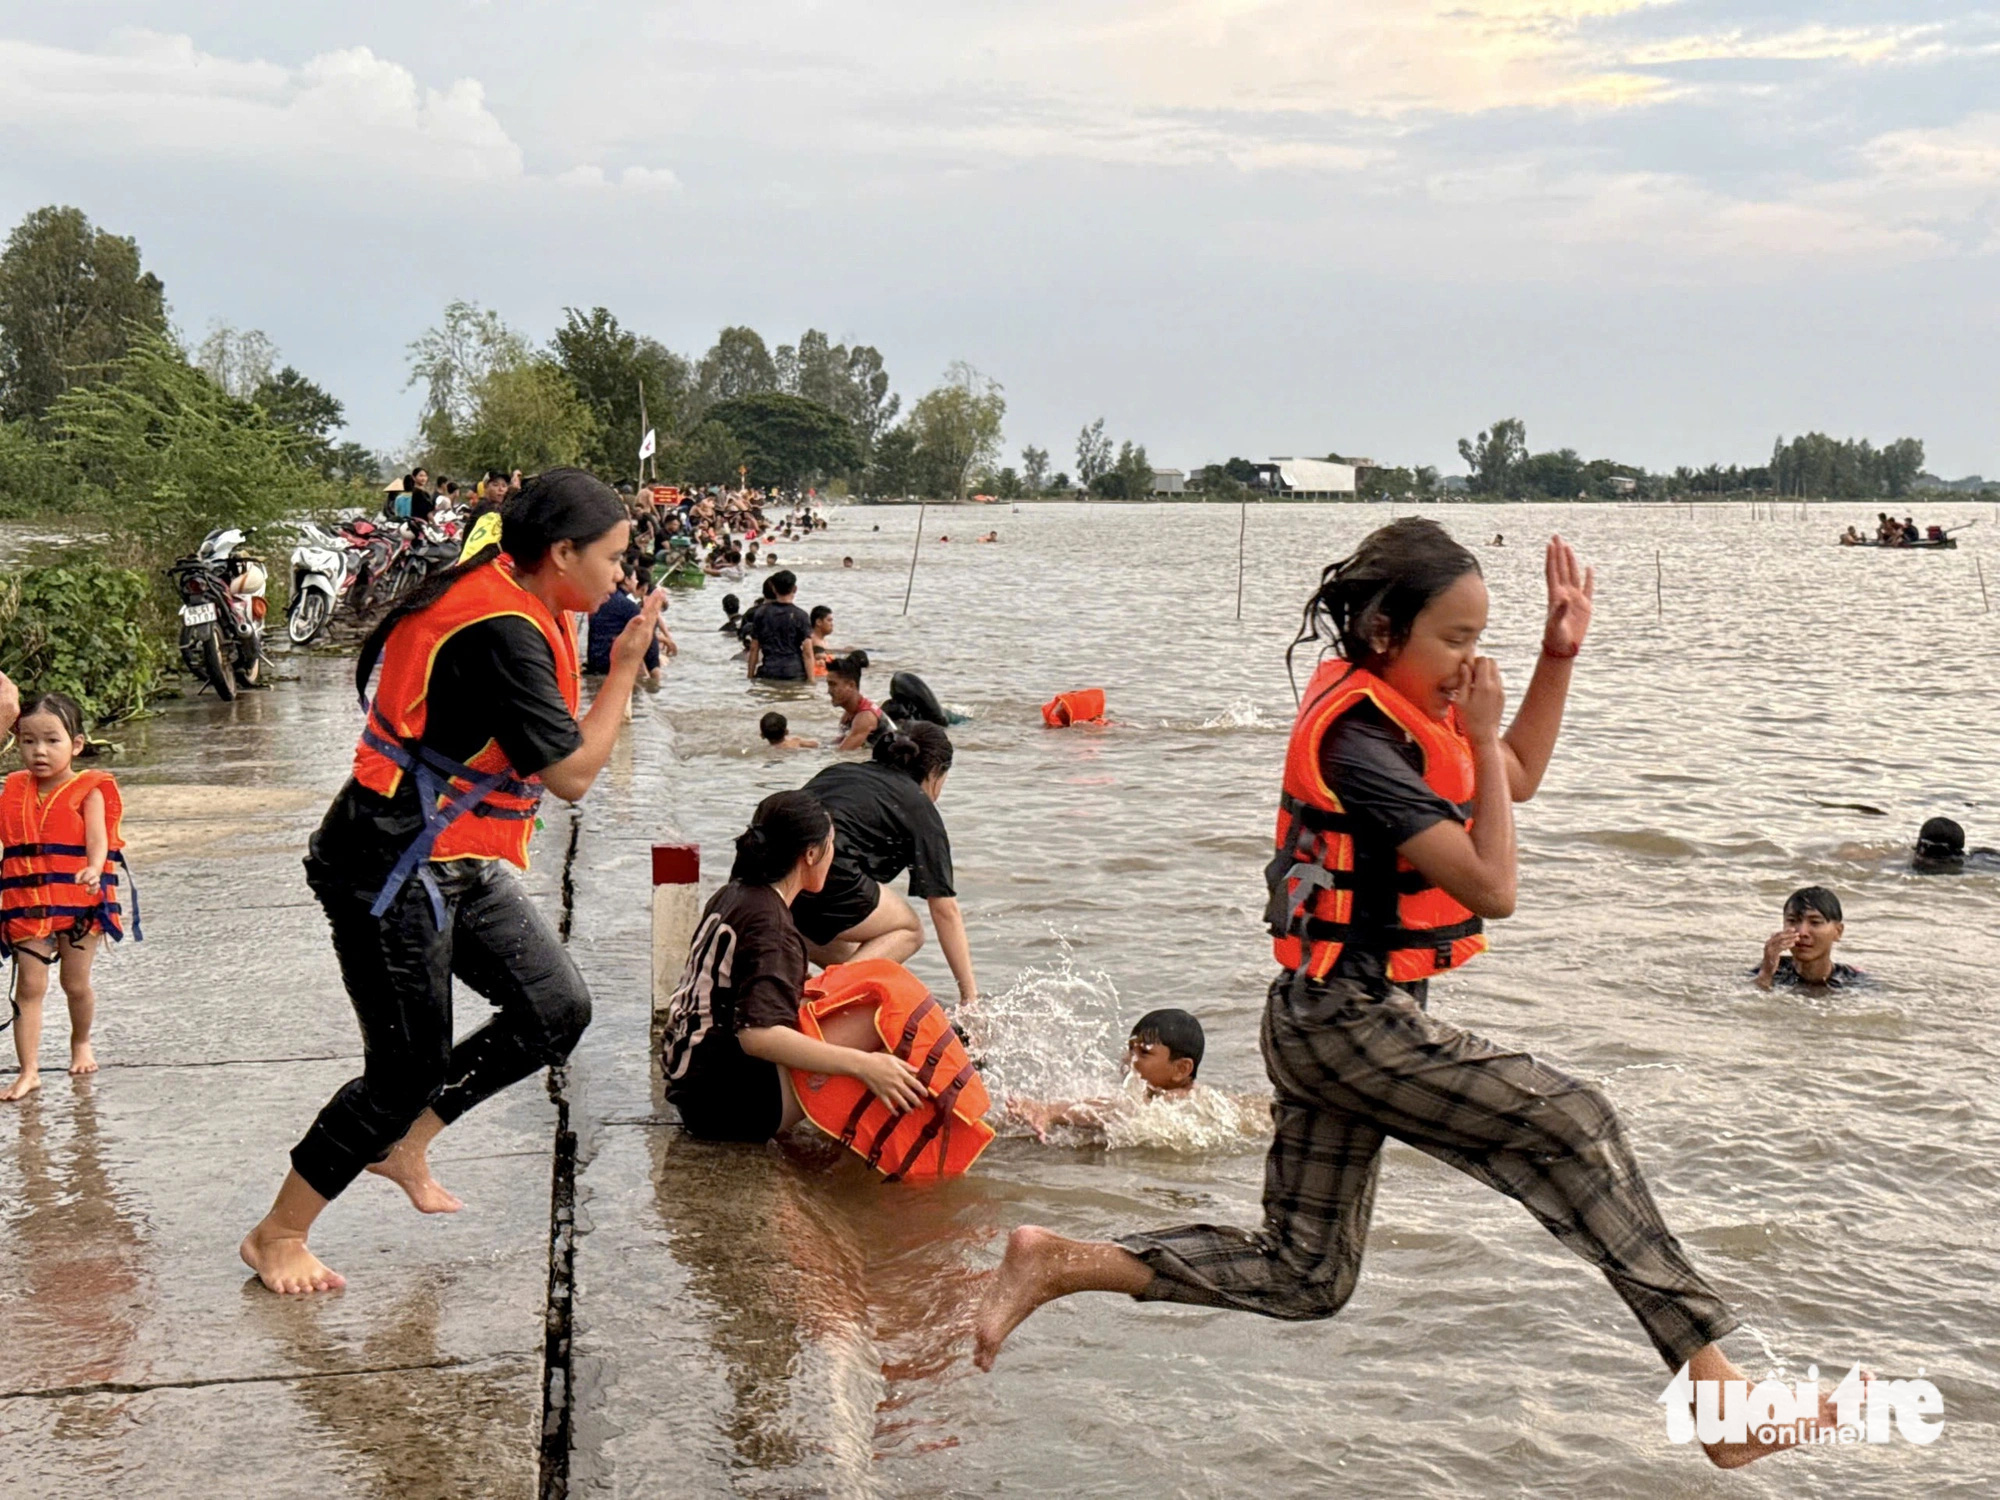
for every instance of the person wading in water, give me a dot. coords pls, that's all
(473, 715)
(1395, 838)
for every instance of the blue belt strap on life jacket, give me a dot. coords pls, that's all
(433, 773)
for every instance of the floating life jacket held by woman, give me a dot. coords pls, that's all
(941, 1137)
(43, 855)
(736, 1037)
(473, 714)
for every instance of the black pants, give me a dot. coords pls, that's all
(398, 970)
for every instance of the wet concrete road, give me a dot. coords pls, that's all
(139, 1358)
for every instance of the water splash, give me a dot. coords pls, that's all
(1054, 1033)
(1241, 715)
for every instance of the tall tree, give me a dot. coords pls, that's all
(299, 406)
(1495, 456)
(73, 298)
(522, 415)
(451, 360)
(1035, 469)
(957, 428)
(787, 440)
(893, 468)
(738, 365)
(1093, 451)
(709, 454)
(238, 360)
(610, 366)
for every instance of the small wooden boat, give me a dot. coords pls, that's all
(1927, 544)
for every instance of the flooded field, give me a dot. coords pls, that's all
(1756, 710)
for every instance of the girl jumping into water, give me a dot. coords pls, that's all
(1395, 840)
(59, 861)
(473, 715)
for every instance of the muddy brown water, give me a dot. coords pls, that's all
(759, 1323)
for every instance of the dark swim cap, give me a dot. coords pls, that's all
(1940, 838)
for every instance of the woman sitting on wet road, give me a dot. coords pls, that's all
(732, 1032)
(473, 715)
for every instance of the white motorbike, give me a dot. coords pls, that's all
(324, 567)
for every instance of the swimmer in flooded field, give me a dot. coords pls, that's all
(1395, 840)
(1498, 540)
(1162, 1057)
(1801, 952)
(817, 643)
(1851, 538)
(731, 1032)
(991, 536)
(777, 733)
(847, 562)
(732, 618)
(859, 717)
(1941, 850)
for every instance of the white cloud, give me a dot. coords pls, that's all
(149, 96)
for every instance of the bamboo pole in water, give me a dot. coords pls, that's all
(1242, 527)
(1659, 590)
(915, 548)
(1979, 568)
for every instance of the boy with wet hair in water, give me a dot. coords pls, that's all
(777, 732)
(1801, 952)
(1162, 1056)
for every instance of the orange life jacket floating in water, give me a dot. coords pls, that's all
(940, 1139)
(478, 809)
(1312, 879)
(43, 853)
(1085, 706)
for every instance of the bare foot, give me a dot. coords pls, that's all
(21, 1087)
(1022, 1284)
(1736, 1455)
(284, 1264)
(81, 1058)
(410, 1169)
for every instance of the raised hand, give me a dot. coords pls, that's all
(1572, 589)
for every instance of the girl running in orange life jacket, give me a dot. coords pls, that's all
(59, 884)
(1395, 841)
(474, 713)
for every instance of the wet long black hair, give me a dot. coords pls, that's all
(1387, 581)
(785, 826)
(557, 505)
(918, 750)
(850, 666)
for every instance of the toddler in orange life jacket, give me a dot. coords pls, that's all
(1162, 1057)
(58, 833)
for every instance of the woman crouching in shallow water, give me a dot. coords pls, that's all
(1395, 840)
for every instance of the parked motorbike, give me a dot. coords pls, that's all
(222, 613)
(423, 549)
(324, 567)
(378, 545)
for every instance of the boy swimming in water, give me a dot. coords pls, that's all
(1801, 952)
(777, 733)
(1162, 1057)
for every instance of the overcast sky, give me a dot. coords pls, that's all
(1659, 230)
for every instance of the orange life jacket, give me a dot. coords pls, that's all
(1083, 707)
(944, 1136)
(42, 851)
(1312, 880)
(478, 809)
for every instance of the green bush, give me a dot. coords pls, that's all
(34, 479)
(85, 629)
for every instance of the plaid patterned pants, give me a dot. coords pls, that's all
(1352, 1067)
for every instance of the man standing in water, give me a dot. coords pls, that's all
(1395, 843)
